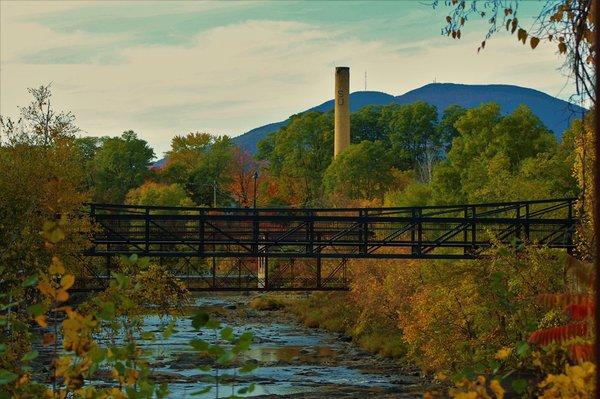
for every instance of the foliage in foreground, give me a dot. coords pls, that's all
(101, 340)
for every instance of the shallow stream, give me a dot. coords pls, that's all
(293, 360)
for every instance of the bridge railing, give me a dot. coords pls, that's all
(452, 231)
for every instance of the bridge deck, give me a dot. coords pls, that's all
(195, 235)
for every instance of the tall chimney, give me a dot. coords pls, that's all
(341, 138)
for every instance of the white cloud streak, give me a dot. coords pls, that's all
(236, 77)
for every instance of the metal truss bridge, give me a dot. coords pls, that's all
(234, 249)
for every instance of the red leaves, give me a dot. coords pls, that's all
(582, 352)
(580, 312)
(565, 299)
(558, 334)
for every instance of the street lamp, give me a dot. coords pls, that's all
(255, 176)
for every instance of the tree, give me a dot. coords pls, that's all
(42, 179)
(367, 124)
(242, 169)
(414, 139)
(362, 171)
(201, 162)
(446, 129)
(122, 163)
(298, 155)
(494, 156)
(160, 194)
(567, 23)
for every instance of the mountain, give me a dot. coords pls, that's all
(555, 113)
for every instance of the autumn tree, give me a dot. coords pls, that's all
(298, 155)
(161, 194)
(242, 170)
(42, 179)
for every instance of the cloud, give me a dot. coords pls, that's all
(236, 76)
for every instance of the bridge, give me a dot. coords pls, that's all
(235, 249)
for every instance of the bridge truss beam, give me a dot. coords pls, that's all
(223, 241)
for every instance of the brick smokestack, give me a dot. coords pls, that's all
(341, 138)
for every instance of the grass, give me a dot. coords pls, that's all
(266, 302)
(334, 312)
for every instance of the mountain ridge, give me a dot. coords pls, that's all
(556, 114)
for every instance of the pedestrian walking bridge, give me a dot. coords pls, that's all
(235, 249)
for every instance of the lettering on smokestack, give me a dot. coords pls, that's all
(342, 110)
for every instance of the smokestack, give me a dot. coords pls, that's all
(341, 138)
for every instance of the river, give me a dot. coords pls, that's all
(293, 360)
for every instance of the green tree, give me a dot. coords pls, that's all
(200, 162)
(366, 124)
(122, 163)
(415, 142)
(493, 158)
(298, 155)
(362, 171)
(446, 129)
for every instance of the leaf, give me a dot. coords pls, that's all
(35, 309)
(199, 344)
(247, 368)
(202, 391)
(514, 25)
(562, 47)
(107, 312)
(534, 41)
(62, 295)
(519, 385)
(522, 35)
(29, 356)
(148, 336)
(32, 280)
(199, 320)
(46, 289)
(67, 281)
(227, 333)
(522, 348)
(133, 258)
(2, 348)
(7, 377)
(41, 320)
(56, 267)
(213, 324)
(558, 334)
(508, 21)
(581, 352)
(225, 358)
(580, 312)
(169, 330)
(246, 390)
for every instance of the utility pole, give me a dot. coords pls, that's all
(214, 193)
(255, 176)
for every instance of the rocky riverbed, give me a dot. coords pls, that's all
(293, 361)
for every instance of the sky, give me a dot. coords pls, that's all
(168, 68)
